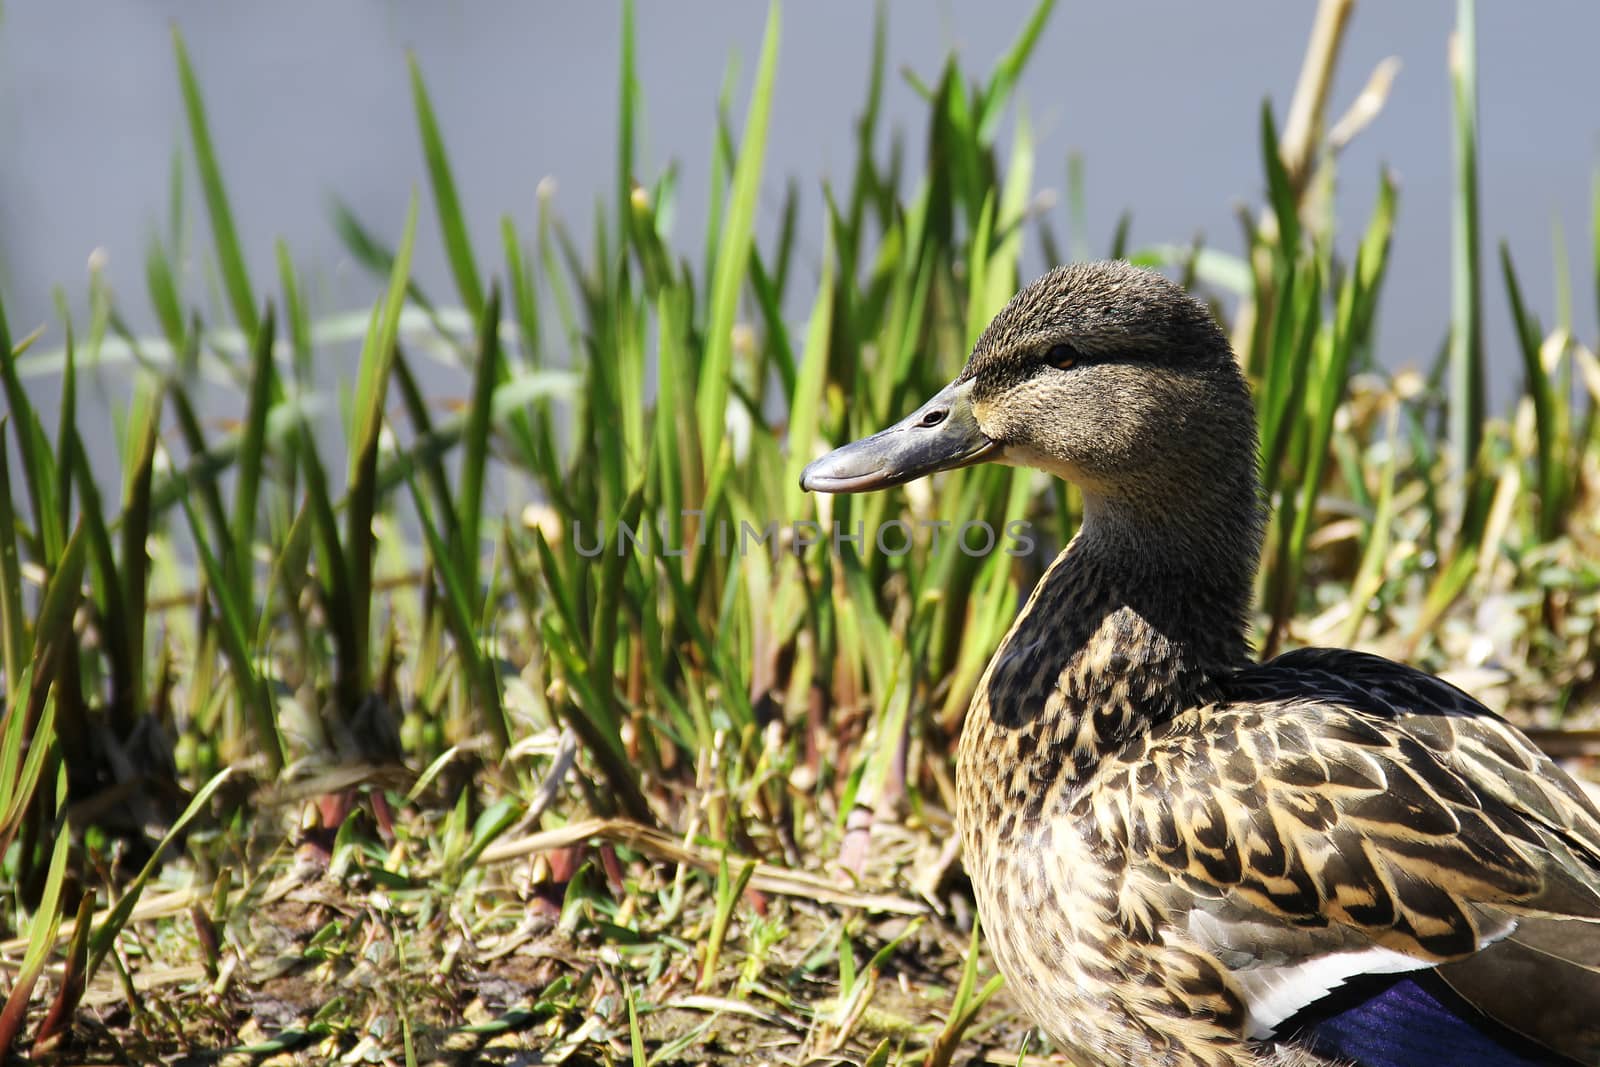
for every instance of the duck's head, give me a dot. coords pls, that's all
(1101, 373)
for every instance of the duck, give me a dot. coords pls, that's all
(1184, 856)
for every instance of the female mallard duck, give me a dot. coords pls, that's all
(1184, 857)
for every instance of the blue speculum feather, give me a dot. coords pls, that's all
(1410, 1020)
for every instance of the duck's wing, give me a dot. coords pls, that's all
(1338, 814)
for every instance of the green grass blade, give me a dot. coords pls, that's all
(524, 300)
(230, 257)
(1467, 405)
(251, 456)
(721, 154)
(1541, 391)
(475, 441)
(1120, 235)
(1000, 273)
(41, 940)
(963, 1009)
(635, 1037)
(609, 606)
(59, 498)
(331, 564)
(55, 645)
(867, 180)
(806, 410)
(295, 315)
(979, 289)
(1279, 188)
(733, 253)
(371, 252)
(627, 118)
(672, 448)
(1296, 320)
(563, 597)
(53, 631)
(1375, 550)
(1009, 70)
(783, 256)
(235, 635)
(107, 584)
(730, 889)
(459, 612)
(207, 462)
(777, 333)
(13, 624)
(428, 449)
(372, 388)
(447, 205)
(164, 293)
(33, 448)
(490, 824)
(105, 935)
(20, 774)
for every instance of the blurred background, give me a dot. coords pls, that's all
(309, 101)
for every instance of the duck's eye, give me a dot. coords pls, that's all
(1061, 356)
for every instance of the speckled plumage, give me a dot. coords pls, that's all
(1176, 849)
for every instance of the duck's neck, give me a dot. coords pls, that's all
(1185, 566)
(1135, 622)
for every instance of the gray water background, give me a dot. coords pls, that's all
(310, 100)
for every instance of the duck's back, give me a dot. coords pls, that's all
(1346, 832)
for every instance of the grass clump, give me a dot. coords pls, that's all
(363, 766)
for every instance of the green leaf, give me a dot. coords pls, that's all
(459, 613)
(1279, 188)
(164, 293)
(370, 251)
(1009, 70)
(452, 224)
(251, 455)
(33, 447)
(806, 411)
(53, 631)
(372, 388)
(729, 892)
(206, 463)
(236, 641)
(295, 315)
(733, 253)
(1541, 391)
(41, 939)
(142, 434)
(20, 774)
(524, 301)
(627, 117)
(331, 564)
(230, 258)
(495, 820)
(105, 934)
(1467, 404)
(13, 624)
(66, 428)
(475, 440)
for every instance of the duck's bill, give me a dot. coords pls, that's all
(941, 435)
